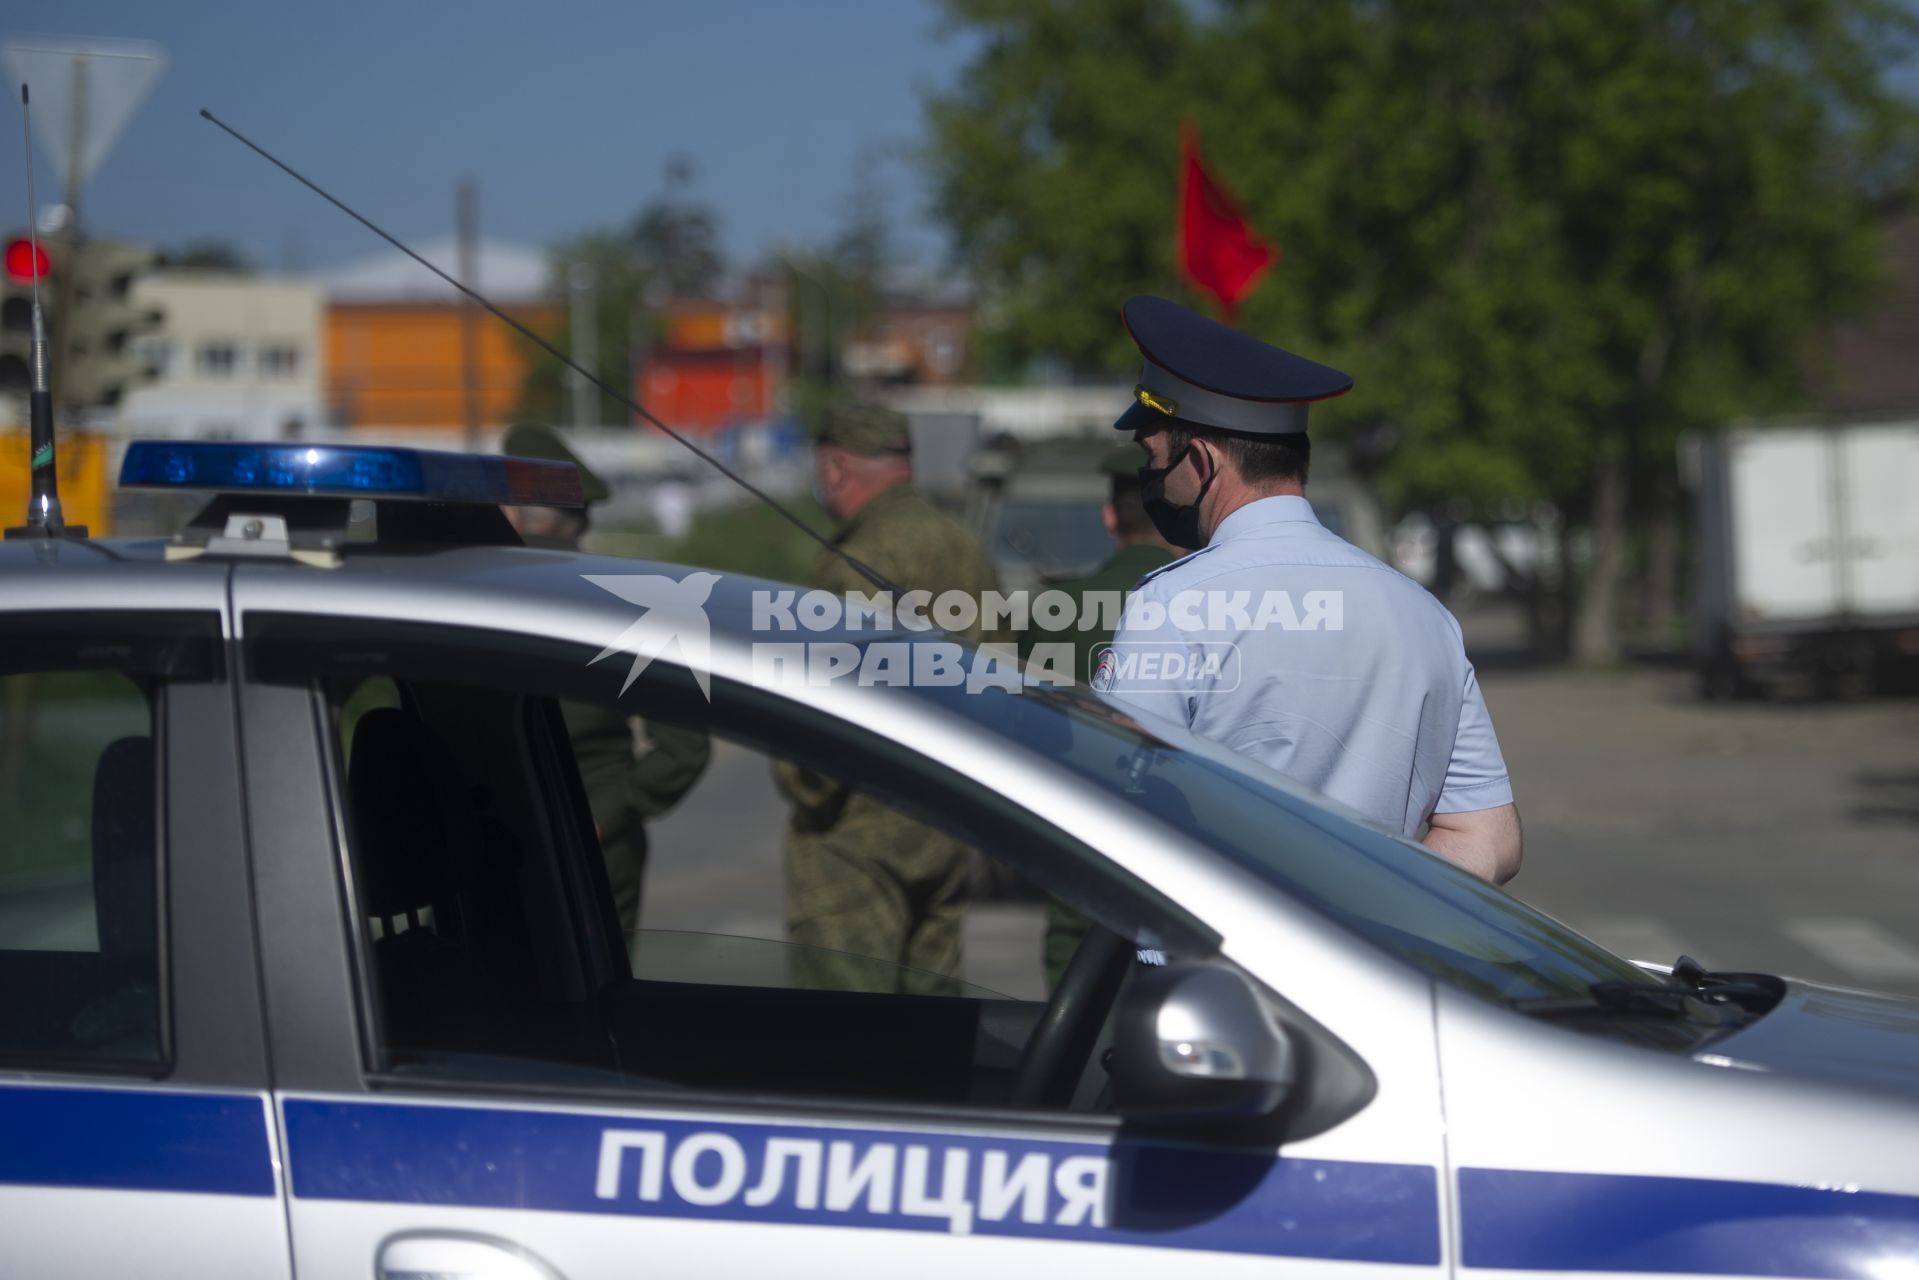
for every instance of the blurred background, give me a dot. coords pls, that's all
(1630, 291)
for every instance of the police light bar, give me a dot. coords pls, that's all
(351, 471)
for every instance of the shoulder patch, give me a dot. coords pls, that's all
(1103, 673)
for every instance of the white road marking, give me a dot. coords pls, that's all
(1860, 947)
(1638, 938)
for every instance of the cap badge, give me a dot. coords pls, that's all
(1168, 407)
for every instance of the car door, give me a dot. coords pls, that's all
(136, 1132)
(480, 1071)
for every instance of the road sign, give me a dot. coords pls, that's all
(84, 93)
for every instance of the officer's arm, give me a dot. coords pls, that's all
(1485, 842)
(1474, 822)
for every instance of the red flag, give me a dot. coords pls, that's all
(1218, 249)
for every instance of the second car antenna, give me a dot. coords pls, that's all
(871, 575)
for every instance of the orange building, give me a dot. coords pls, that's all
(394, 353)
(718, 362)
(913, 344)
(402, 363)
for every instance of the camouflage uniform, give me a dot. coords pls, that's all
(1065, 926)
(861, 878)
(631, 770)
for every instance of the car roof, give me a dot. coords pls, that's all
(487, 587)
(107, 573)
(445, 583)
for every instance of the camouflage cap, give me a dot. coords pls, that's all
(871, 429)
(1123, 461)
(537, 440)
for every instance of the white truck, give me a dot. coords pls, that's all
(1808, 555)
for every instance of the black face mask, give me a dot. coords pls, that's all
(1178, 525)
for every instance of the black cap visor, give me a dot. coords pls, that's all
(1140, 416)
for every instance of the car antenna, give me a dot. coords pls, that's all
(870, 574)
(43, 498)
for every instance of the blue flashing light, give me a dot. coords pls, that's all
(350, 471)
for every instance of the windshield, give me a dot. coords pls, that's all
(1419, 907)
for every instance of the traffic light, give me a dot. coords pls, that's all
(100, 360)
(16, 313)
(95, 342)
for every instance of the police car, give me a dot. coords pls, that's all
(308, 963)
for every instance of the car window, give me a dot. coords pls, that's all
(756, 858)
(725, 959)
(666, 891)
(80, 834)
(1420, 908)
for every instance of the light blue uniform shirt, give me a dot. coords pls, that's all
(1290, 645)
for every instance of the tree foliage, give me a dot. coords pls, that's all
(207, 255)
(621, 324)
(676, 237)
(670, 248)
(1546, 238)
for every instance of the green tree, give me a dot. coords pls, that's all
(836, 292)
(621, 325)
(1546, 238)
(677, 237)
(1052, 163)
(670, 248)
(826, 303)
(864, 248)
(207, 255)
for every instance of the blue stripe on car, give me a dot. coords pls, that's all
(1610, 1222)
(152, 1139)
(1166, 1196)
(135, 1140)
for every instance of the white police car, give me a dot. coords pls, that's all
(308, 965)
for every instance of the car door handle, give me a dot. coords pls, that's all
(453, 1255)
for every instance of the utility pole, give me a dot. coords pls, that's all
(772, 359)
(468, 218)
(586, 345)
(822, 341)
(635, 351)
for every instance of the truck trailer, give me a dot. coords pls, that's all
(1808, 555)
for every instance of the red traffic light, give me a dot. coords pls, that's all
(25, 261)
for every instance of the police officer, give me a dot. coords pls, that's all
(1275, 636)
(1138, 550)
(632, 770)
(862, 880)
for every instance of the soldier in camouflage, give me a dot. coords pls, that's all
(863, 880)
(633, 770)
(1138, 551)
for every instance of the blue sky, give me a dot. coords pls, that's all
(563, 113)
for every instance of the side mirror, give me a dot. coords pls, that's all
(1194, 1042)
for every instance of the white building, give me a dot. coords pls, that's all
(502, 270)
(238, 356)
